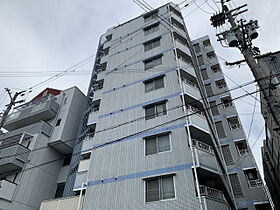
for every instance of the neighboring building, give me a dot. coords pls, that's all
(270, 64)
(36, 151)
(242, 170)
(151, 140)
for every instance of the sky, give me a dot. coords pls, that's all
(40, 39)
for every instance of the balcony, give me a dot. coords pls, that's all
(205, 156)
(191, 89)
(13, 157)
(31, 113)
(197, 118)
(255, 183)
(202, 146)
(182, 46)
(7, 190)
(69, 203)
(211, 192)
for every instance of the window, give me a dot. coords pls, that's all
(103, 66)
(233, 123)
(155, 110)
(66, 161)
(214, 108)
(241, 147)
(58, 122)
(150, 16)
(196, 48)
(204, 74)
(200, 60)
(206, 43)
(157, 144)
(209, 90)
(151, 44)
(98, 85)
(227, 102)
(59, 190)
(151, 29)
(216, 68)
(151, 63)
(159, 188)
(109, 37)
(154, 84)
(106, 51)
(220, 129)
(227, 155)
(253, 178)
(84, 162)
(221, 84)
(211, 55)
(236, 186)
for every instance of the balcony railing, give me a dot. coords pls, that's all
(229, 104)
(243, 152)
(196, 110)
(202, 146)
(234, 126)
(255, 183)
(186, 81)
(211, 192)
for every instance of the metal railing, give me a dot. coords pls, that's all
(211, 192)
(196, 110)
(234, 126)
(188, 82)
(202, 146)
(228, 104)
(255, 183)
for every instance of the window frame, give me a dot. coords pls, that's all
(159, 177)
(153, 80)
(152, 43)
(154, 105)
(157, 145)
(150, 29)
(152, 60)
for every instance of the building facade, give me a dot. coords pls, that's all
(151, 140)
(271, 149)
(242, 170)
(36, 151)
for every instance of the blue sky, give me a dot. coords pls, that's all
(45, 37)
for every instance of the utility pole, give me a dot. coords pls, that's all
(241, 34)
(12, 103)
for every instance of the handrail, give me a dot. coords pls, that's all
(211, 192)
(255, 183)
(186, 81)
(196, 110)
(202, 146)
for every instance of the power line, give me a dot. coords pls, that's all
(141, 118)
(252, 120)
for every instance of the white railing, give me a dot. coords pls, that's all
(211, 192)
(221, 86)
(188, 82)
(225, 105)
(202, 146)
(196, 110)
(255, 183)
(243, 152)
(234, 126)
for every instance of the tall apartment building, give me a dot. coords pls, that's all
(271, 149)
(150, 141)
(241, 167)
(36, 151)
